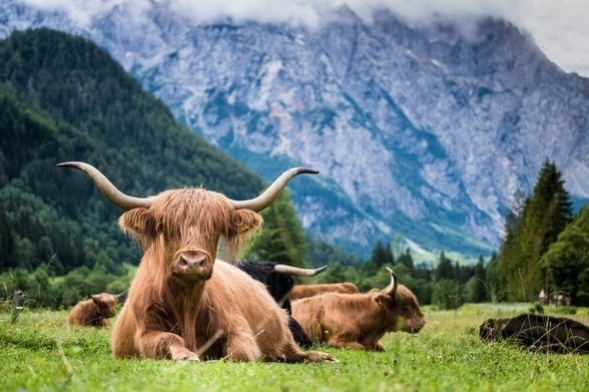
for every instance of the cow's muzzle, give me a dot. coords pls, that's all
(197, 263)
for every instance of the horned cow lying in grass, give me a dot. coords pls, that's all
(359, 320)
(183, 304)
(95, 311)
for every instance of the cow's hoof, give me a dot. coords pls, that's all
(316, 356)
(192, 357)
(183, 354)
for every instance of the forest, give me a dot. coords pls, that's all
(62, 98)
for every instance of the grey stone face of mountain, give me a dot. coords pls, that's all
(419, 132)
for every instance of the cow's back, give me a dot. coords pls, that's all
(81, 313)
(301, 291)
(310, 312)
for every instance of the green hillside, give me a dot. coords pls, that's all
(62, 98)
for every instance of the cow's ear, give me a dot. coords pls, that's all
(383, 300)
(245, 220)
(138, 222)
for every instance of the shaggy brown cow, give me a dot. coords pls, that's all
(177, 307)
(95, 311)
(359, 320)
(300, 291)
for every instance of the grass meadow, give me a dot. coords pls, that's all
(41, 353)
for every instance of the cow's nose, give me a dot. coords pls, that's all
(193, 260)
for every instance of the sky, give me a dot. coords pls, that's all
(560, 28)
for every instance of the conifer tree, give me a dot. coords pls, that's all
(544, 215)
(445, 269)
(6, 241)
(479, 291)
(565, 266)
(407, 260)
(492, 278)
(378, 255)
(382, 255)
(389, 257)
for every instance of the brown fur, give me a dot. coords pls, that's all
(94, 312)
(300, 291)
(178, 310)
(358, 320)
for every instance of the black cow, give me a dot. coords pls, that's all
(539, 332)
(278, 279)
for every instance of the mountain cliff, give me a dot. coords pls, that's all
(419, 131)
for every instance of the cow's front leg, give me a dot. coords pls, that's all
(349, 340)
(242, 346)
(164, 345)
(294, 355)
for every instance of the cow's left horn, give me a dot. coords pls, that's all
(392, 287)
(296, 271)
(111, 192)
(265, 199)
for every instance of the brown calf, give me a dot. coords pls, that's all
(95, 311)
(300, 291)
(359, 320)
(179, 306)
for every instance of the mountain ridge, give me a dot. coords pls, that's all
(418, 131)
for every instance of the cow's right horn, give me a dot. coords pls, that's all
(117, 197)
(392, 287)
(265, 199)
(296, 271)
(121, 294)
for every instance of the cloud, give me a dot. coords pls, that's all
(559, 27)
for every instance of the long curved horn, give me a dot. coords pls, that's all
(117, 197)
(295, 271)
(392, 287)
(265, 199)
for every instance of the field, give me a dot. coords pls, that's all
(40, 353)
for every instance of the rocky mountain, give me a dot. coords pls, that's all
(420, 131)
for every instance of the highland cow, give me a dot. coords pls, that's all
(95, 311)
(359, 320)
(182, 305)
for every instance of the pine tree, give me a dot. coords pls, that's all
(377, 256)
(565, 266)
(445, 269)
(479, 291)
(544, 215)
(407, 260)
(6, 242)
(492, 278)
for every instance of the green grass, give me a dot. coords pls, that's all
(40, 353)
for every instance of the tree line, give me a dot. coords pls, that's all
(545, 248)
